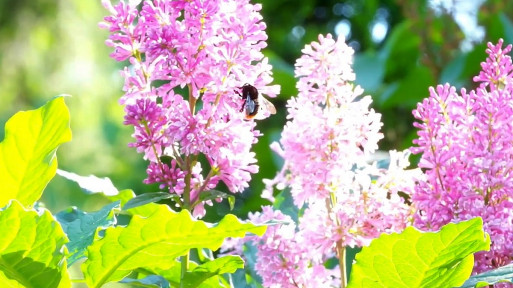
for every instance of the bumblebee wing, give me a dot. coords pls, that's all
(267, 105)
(265, 110)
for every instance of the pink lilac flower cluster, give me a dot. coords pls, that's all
(347, 200)
(185, 59)
(466, 142)
(284, 257)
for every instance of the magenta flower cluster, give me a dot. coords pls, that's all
(185, 59)
(466, 142)
(327, 142)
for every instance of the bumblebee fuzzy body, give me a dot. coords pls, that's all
(254, 106)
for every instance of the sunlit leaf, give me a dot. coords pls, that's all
(32, 251)
(418, 259)
(27, 154)
(157, 240)
(226, 264)
(173, 275)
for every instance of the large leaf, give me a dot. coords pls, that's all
(32, 251)
(27, 154)
(81, 227)
(226, 264)
(416, 259)
(156, 240)
(501, 274)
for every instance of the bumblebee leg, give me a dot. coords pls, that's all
(243, 106)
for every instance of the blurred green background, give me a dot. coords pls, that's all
(51, 47)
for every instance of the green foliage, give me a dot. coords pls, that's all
(210, 195)
(126, 196)
(501, 274)
(414, 259)
(27, 154)
(409, 91)
(148, 281)
(164, 235)
(501, 27)
(32, 252)
(208, 277)
(248, 277)
(147, 198)
(222, 265)
(81, 227)
(400, 51)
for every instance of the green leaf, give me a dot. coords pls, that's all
(248, 277)
(148, 281)
(215, 194)
(147, 198)
(32, 251)
(283, 73)
(452, 72)
(401, 51)
(370, 70)
(226, 264)
(156, 240)
(410, 90)
(27, 154)
(415, 259)
(90, 184)
(172, 275)
(501, 274)
(81, 227)
(500, 26)
(285, 203)
(125, 196)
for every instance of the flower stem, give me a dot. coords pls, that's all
(341, 253)
(184, 260)
(340, 249)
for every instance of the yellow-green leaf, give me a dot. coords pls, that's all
(27, 154)
(414, 259)
(32, 251)
(156, 240)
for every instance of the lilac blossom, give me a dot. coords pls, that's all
(284, 256)
(467, 154)
(346, 200)
(207, 49)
